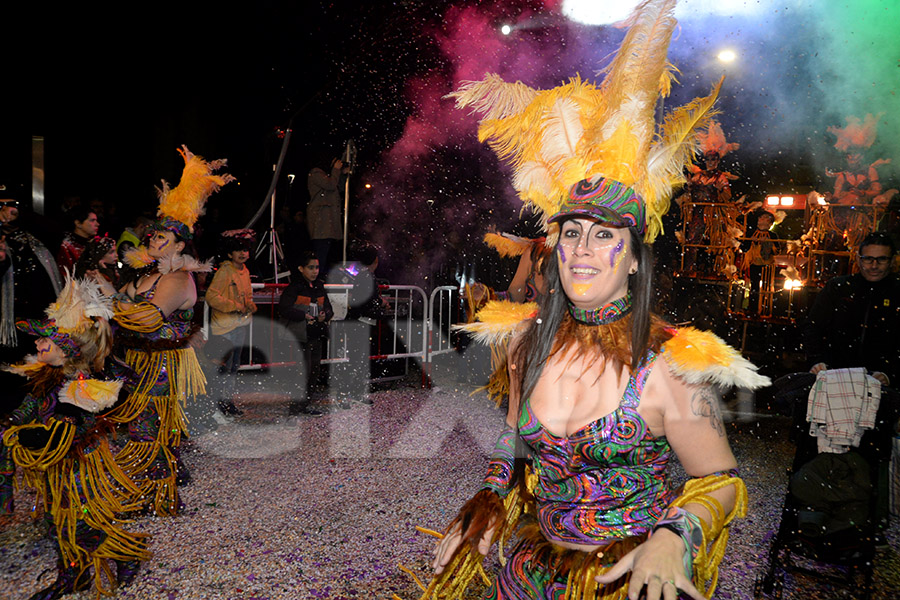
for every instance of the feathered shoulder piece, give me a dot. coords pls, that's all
(139, 258)
(498, 320)
(92, 395)
(27, 368)
(184, 262)
(507, 244)
(697, 356)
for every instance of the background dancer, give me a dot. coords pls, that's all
(60, 439)
(155, 315)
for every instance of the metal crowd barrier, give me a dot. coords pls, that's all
(417, 327)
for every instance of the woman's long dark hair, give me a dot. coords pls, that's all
(534, 347)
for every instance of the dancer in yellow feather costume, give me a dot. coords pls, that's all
(602, 393)
(61, 442)
(154, 315)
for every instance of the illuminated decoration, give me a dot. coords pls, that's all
(727, 56)
(788, 201)
(792, 284)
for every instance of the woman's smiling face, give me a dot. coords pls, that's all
(594, 262)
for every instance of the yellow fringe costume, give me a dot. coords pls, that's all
(158, 348)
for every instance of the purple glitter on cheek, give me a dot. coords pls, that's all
(612, 255)
(562, 254)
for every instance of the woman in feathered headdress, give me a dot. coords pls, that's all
(59, 438)
(154, 315)
(602, 392)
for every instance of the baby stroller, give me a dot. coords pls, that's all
(832, 537)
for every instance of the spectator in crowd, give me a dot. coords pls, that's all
(855, 319)
(32, 281)
(99, 258)
(308, 311)
(85, 226)
(323, 214)
(131, 237)
(230, 299)
(294, 236)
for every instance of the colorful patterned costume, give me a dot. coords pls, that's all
(85, 493)
(605, 485)
(60, 439)
(168, 374)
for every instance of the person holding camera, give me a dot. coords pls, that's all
(306, 306)
(323, 214)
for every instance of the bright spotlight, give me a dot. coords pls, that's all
(772, 200)
(506, 30)
(591, 12)
(727, 56)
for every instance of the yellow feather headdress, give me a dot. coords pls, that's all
(579, 131)
(181, 206)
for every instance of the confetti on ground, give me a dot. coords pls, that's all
(326, 507)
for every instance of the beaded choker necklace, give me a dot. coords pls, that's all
(607, 313)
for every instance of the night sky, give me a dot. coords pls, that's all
(116, 90)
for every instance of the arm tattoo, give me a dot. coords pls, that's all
(705, 403)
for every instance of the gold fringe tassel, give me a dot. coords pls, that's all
(160, 494)
(715, 534)
(87, 487)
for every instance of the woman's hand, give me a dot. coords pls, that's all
(449, 545)
(658, 564)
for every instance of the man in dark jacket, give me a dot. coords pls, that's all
(855, 320)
